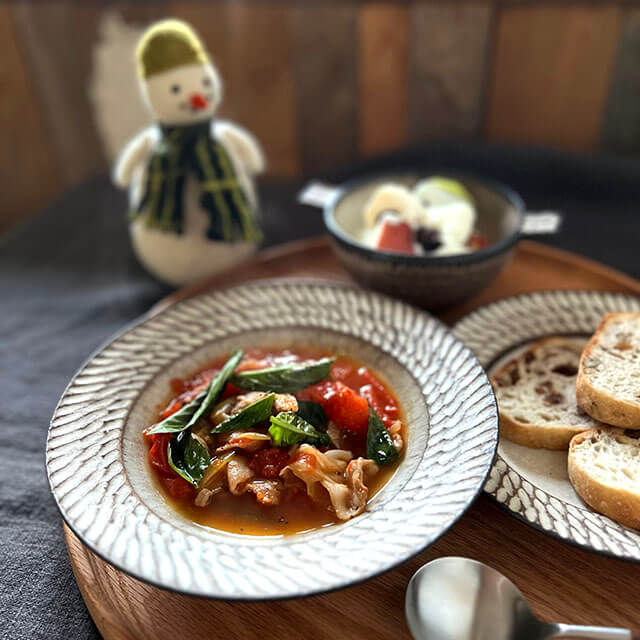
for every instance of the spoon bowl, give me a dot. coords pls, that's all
(462, 599)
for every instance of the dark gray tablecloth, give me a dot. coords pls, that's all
(68, 280)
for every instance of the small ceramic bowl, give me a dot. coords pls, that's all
(96, 455)
(431, 282)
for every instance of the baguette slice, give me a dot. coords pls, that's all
(537, 398)
(608, 385)
(604, 469)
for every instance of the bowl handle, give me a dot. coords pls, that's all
(317, 194)
(541, 222)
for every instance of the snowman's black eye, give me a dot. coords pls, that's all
(206, 81)
(175, 88)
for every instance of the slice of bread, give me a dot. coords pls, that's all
(604, 469)
(608, 385)
(537, 398)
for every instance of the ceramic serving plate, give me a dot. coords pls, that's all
(96, 455)
(533, 484)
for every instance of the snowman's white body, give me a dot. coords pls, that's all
(180, 258)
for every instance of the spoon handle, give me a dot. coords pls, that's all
(596, 633)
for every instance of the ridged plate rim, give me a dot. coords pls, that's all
(107, 516)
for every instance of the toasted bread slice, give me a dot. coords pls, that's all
(537, 398)
(608, 385)
(604, 469)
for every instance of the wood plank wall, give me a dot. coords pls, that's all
(322, 83)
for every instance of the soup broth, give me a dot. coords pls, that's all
(296, 511)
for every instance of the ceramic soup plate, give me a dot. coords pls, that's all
(96, 457)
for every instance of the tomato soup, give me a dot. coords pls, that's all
(310, 463)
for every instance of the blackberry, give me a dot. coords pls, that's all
(429, 239)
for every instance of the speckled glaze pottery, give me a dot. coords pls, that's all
(96, 454)
(431, 282)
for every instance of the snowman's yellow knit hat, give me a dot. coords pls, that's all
(168, 44)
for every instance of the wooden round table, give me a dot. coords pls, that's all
(562, 582)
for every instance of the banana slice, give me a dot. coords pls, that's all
(395, 198)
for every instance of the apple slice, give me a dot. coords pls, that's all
(395, 236)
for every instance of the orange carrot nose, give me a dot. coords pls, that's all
(198, 101)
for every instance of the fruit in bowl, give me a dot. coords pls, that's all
(437, 217)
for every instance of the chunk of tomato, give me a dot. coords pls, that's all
(158, 454)
(369, 387)
(268, 463)
(175, 405)
(342, 405)
(316, 392)
(178, 386)
(178, 487)
(380, 401)
(230, 390)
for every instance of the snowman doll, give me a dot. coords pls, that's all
(190, 178)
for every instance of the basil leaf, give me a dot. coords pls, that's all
(313, 413)
(180, 419)
(256, 412)
(287, 428)
(380, 447)
(216, 387)
(287, 378)
(188, 457)
(188, 415)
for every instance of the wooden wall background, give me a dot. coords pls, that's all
(321, 83)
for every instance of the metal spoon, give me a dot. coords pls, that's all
(461, 599)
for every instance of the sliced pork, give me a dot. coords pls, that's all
(238, 475)
(335, 472)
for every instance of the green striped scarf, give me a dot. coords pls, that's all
(191, 149)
